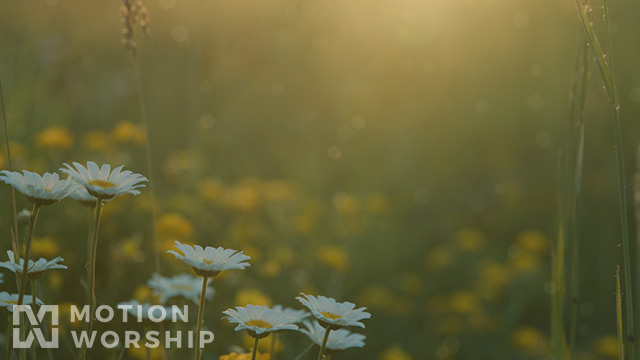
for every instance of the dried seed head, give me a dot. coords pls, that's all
(134, 14)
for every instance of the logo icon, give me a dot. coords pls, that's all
(37, 324)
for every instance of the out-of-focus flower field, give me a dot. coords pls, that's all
(400, 155)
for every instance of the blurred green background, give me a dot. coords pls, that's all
(397, 154)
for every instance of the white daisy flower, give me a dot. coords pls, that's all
(35, 269)
(298, 315)
(143, 311)
(210, 261)
(338, 340)
(9, 300)
(104, 183)
(259, 321)
(333, 314)
(183, 285)
(43, 190)
(81, 195)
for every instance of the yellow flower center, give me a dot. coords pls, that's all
(331, 316)
(259, 323)
(207, 261)
(102, 183)
(11, 302)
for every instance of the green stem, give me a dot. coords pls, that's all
(622, 193)
(33, 306)
(15, 238)
(272, 352)
(255, 348)
(149, 161)
(92, 271)
(203, 300)
(27, 252)
(306, 350)
(324, 343)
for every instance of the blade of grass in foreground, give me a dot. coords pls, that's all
(608, 78)
(619, 329)
(558, 341)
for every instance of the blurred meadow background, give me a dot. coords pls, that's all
(398, 154)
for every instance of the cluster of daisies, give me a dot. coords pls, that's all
(94, 186)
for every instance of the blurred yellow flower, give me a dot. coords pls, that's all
(525, 263)
(55, 137)
(533, 242)
(96, 140)
(606, 346)
(55, 280)
(284, 255)
(271, 269)
(245, 356)
(45, 247)
(412, 284)
(128, 132)
(242, 197)
(530, 339)
(142, 293)
(469, 239)
(264, 346)
(334, 257)
(439, 258)
(64, 310)
(465, 302)
(129, 249)
(252, 297)
(394, 353)
(174, 225)
(303, 224)
(376, 297)
(141, 353)
(345, 204)
(210, 190)
(377, 204)
(494, 274)
(278, 191)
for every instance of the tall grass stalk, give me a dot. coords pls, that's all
(558, 340)
(608, 76)
(573, 193)
(619, 326)
(15, 236)
(149, 161)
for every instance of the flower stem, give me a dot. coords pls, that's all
(304, 351)
(203, 299)
(33, 306)
(255, 348)
(27, 252)
(272, 352)
(92, 271)
(324, 343)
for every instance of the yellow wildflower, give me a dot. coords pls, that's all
(271, 268)
(439, 258)
(252, 297)
(465, 302)
(64, 313)
(210, 190)
(55, 280)
(45, 247)
(469, 239)
(245, 356)
(128, 132)
(284, 255)
(242, 197)
(334, 257)
(96, 140)
(55, 137)
(376, 297)
(412, 284)
(395, 353)
(377, 204)
(278, 191)
(141, 352)
(607, 346)
(264, 346)
(142, 293)
(175, 225)
(530, 339)
(345, 204)
(533, 242)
